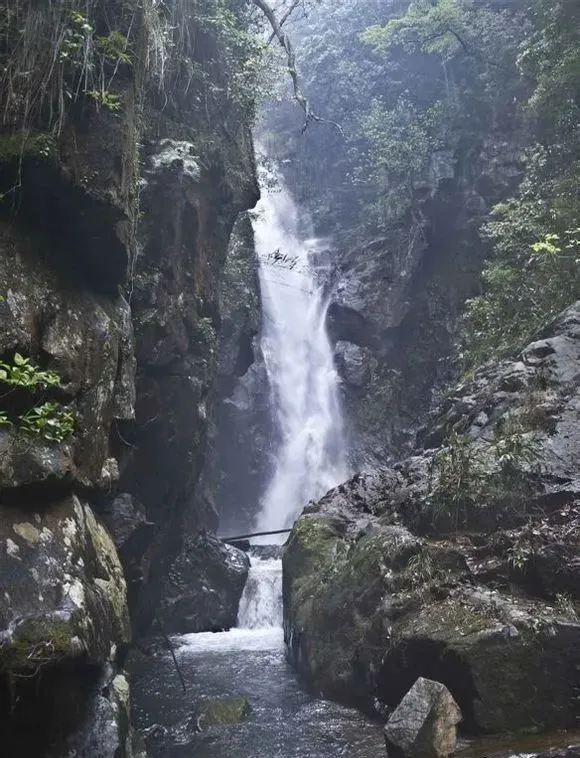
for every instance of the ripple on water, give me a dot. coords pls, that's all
(285, 721)
(236, 639)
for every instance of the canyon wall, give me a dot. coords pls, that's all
(120, 184)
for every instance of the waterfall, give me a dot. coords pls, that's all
(309, 457)
(261, 603)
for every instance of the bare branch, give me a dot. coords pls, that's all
(285, 18)
(286, 44)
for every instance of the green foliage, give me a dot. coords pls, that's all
(566, 606)
(109, 100)
(48, 420)
(458, 475)
(468, 476)
(22, 373)
(404, 80)
(534, 270)
(520, 555)
(114, 47)
(525, 285)
(426, 26)
(401, 140)
(421, 568)
(207, 62)
(55, 53)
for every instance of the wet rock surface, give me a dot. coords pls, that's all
(112, 243)
(204, 586)
(459, 563)
(571, 751)
(189, 207)
(64, 625)
(239, 458)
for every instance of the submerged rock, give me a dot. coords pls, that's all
(229, 710)
(424, 724)
(204, 587)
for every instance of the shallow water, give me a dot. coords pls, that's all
(285, 721)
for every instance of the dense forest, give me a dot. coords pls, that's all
(412, 87)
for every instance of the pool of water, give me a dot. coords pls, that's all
(285, 721)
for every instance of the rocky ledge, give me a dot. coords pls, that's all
(460, 563)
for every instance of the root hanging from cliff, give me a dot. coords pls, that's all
(172, 651)
(52, 53)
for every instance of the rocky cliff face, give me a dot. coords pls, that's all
(117, 206)
(238, 456)
(396, 299)
(460, 563)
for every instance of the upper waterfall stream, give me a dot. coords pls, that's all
(309, 454)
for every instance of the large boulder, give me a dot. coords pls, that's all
(204, 586)
(424, 725)
(78, 607)
(63, 626)
(460, 563)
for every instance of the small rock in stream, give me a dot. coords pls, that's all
(229, 710)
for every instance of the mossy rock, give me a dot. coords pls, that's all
(62, 589)
(229, 710)
(18, 146)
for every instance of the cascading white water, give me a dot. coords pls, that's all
(311, 456)
(261, 602)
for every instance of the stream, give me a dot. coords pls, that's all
(248, 662)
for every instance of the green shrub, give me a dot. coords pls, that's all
(48, 420)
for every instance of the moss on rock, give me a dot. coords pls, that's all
(230, 710)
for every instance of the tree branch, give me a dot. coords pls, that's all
(286, 44)
(285, 18)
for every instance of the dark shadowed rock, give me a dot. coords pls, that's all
(354, 363)
(424, 724)
(204, 587)
(400, 294)
(132, 534)
(189, 202)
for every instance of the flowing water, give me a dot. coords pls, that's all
(249, 661)
(309, 456)
(245, 662)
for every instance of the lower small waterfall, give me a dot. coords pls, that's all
(261, 602)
